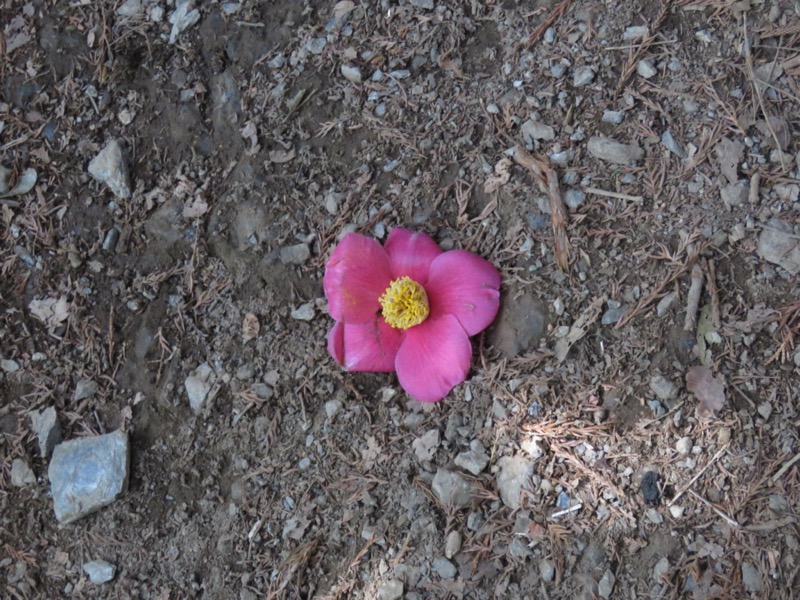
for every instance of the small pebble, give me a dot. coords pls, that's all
(444, 568)
(654, 516)
(676, 510)
(606, 584)
(646, 69)
(662, 566)
(21, 473)
(614, 117)
(453, 544)
(547, 570)
(583, 76)
(574, 199)
(724, 436)
(304, 312)
(684, 445)
(351, 73)
(99, 571)
(391, 590)
(612, 315)
(765, 410)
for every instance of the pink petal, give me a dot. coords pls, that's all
(411, 254)
(433, 358)
(466, 286)
(356, 275)
(365, 346)
(336, 342)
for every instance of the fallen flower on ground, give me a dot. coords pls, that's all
(408, 307)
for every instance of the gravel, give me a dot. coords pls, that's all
(99, 571)
(547, 570)
(451, 489)
(615, 152)
(21, 473)
(109, 167)
(198, 385)
(444, 568)
(514, 476)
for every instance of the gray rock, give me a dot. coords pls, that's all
(518, 548)
(614, 117)
(665, 303)
(451, 489)
(109, 167)
(663, 387)
(735, 194)
(391, 590)
(453, 544)
(661, 568)
(533, 130)
(444, 568)
(426, 4)
(635, 32)
(514, 476)
(520, 325)
(316, 45)
(9, 366)
(183, 18)
(547, 570)
(304, 312)
(612, 315)
(615, 152)
(474, 460)
(87, 474)
(777, 244)
(751, 577)
(474, 521)
(653, 516)
(684, 445)
(668, 141)
(295, 255)
(99, 571)
(198, 385)
(646, 69)
(425, 446)
(778, 503)
(351, 73)
(606, 584)
(574, 199)
(583, 76)
(85, 388)
(45, 424)
(21, 473)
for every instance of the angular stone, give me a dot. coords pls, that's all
(48, 432)
(391, 590)
(547, 570)
(87, 474)
(109, 167)
(21, 473)
(663, 387)
(583, 76)
(646, 69)
(295, 255)
(474, 460)
(453, 544)
(606, 584)
(735, 194)
(778, 245)
(451, 489)
(198, 385)
(751, 577)
(514, 476)
(351, 73)
(444, 568)
(615, 152)
(99, 571)
(533, 130)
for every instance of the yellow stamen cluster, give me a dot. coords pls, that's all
(404, 303)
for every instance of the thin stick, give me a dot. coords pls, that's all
(693, 298)
(566, 511)
(785, 468)
(699, 474)
(599, 192)
(728, 520)
(711, 283)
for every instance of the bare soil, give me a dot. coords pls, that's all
(245, 138)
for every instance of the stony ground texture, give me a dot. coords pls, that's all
(173, 176)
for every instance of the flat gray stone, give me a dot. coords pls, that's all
(473, 460)
(451, 489)
(391, 590)
(295, 255)
(646, 69)
(109, 167)
(519, 325)
(614, 117)
(583, 76)
(663, 387)
(547, 570)
(351, 73)
(99, 571)
(444, 568)
(514, 476)
(533, 130)
(198, 385)
(606, 584)
(87, 474)
(751, 577)
(574, 199)
(612, 151)
(777, 244)
(21, 473)
(48, 432)
(735, 194)
(453, 544)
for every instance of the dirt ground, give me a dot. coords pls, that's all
(637, 397)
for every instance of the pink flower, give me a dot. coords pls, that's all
(408, 307)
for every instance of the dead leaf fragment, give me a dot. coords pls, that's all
(50, 311)
(502, 173)
(281, 156)
(250, 327)
(709, 390)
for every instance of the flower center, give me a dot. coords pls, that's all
(404, 303)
